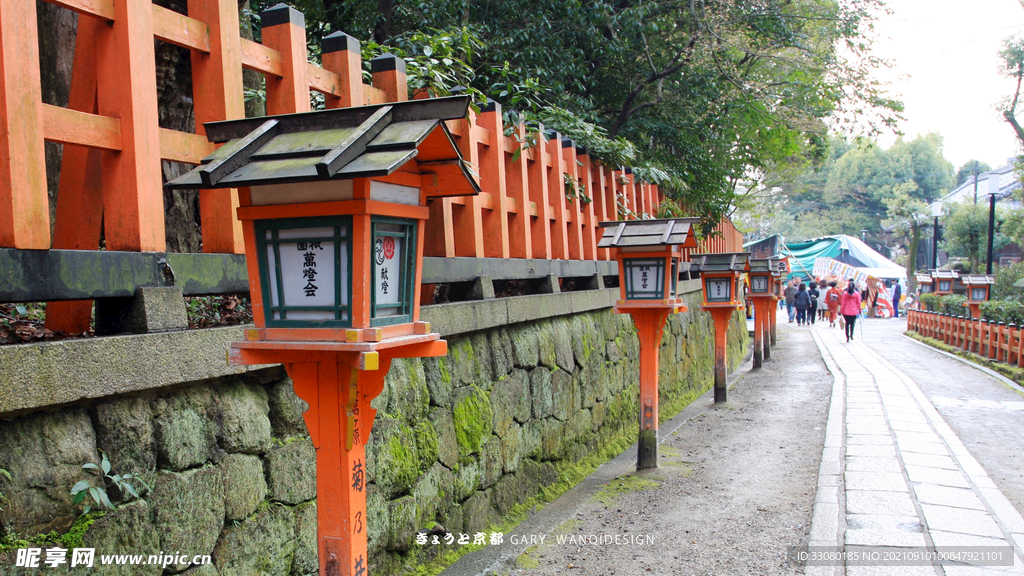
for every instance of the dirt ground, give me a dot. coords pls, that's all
(734, 489)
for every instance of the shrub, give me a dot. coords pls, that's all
(931, 301)
(1006, 311)
(1005, 277)
(952, 304)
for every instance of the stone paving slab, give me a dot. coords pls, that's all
(907, 479)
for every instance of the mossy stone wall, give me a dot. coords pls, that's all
(458, 440)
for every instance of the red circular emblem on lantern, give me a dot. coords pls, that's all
(389, 247)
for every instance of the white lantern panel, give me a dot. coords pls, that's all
(308, 273)
(977, 294)
(718, 289)
(645, 278)
(387, 273)
(759, 284)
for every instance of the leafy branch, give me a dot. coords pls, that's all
(96, 487)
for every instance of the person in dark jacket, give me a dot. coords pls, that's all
(896, 293)
(812, 292)
(802, 301)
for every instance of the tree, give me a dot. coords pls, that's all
(908, 217)
(969, 169)
(966, 231)
(1012, 55)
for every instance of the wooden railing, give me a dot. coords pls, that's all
(113, 145)
(993, 340)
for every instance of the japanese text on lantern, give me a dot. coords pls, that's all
(309, 270)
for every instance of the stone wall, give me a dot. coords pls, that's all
(458, 440)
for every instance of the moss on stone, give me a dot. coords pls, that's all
(473, 418)
(442, 365)
(404, 465)
(426, 445)
(624, 485)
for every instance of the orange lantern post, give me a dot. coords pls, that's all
(720, 277)
(762, 292)
(978, 289)
(648, 253)
(333, 205)
(781, 270)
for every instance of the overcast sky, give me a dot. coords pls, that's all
(946, 71)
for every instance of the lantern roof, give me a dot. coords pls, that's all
(945, 274)
(663, 232)
(977, 279)
(336, 144)
(924, 277)
(723, 262)
(761, 266)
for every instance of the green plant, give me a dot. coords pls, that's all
(101, 474)
(1004, 289)
(953, 304)
(931, 301)
(1002, 311)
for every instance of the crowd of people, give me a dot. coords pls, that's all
(821, 300)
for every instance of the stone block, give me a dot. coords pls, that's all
(408, 397)
(151, 309)
(474, 419)
(244, 485)
(185, 429)
(432, 492)
(291, 472)
(44, 453)
(482, 288)
(525, 351)
(540, 391)
(478, 513)
(439, 380)
(491, 463)
(286, 409)
(263, 544)
(500, 345)
(467, 478)
(402, 523)
(125, 432)
(127, 530)
(447, 446)
(512, 449)
(510, 401)
(377, 520)
(196, 495)
(512, 489)
(306, 560)
(245, 419)
(564, 396)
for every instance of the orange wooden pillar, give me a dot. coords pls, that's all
(520, 238)
(759, 311)
(492, 180)
(556, 197)
(540, 227)
(389, 75)
(650, 323)
(284, 30)
(217, 95)
(574, 205)
(769, 304)
(773, 315)
(340, 53)
(721, 316)
(133, 198)
(79, 218)
(467, 217)
(24, 207)
(589, 214)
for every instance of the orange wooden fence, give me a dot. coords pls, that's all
(993, 340)
(111, 174)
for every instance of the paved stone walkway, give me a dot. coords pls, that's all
(894, 474)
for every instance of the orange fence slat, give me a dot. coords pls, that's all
(68, 126)
(492, 181)
(182, 30)
(24, 207)
(99, 8)
(263, 59)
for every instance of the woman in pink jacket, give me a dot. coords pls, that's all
(849, 307)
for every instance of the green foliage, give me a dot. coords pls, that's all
(953, 304)
(101, 480)
(1002, 311)
(73, 538)
(1004, 289)
(701, 97)
(965, 231)
(967, 171)
(932, 302)
(908, 217)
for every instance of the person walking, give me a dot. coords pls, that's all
(832, 301)
(790, 294)
(814, 294)
(896, 293)
(849, 307)
(802, 301)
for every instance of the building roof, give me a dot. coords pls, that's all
(337, 144)
(976, 279)
(722, 262)
(665, 232)
(1003, 179)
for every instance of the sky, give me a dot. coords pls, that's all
(946, 71)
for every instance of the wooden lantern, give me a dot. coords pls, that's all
(648, 253)
(978, 288)
(720, 278)
(332, 205)
(925, 283)
(943, 281)
(762, 292)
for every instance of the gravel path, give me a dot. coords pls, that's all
(734, 489)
